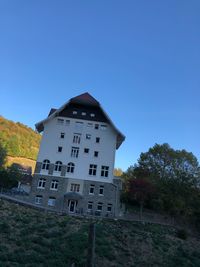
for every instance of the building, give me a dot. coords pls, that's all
(74, 169)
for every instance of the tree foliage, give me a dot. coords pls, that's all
(18, 139)
(3, 154)
(175, 175)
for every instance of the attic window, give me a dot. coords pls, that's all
(60, 121)
(92, 115)
(83, 113)
(74, 112)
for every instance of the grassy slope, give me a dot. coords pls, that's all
(32, 238)
(19, 140)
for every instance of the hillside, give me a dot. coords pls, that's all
(19, 140)
(34, 238)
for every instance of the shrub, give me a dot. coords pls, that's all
(182, 234)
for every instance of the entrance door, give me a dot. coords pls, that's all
(72, 206)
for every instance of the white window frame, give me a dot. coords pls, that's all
(74, 152)
(92, 186)
(75, 187)
(54, 185)
(104, 171)
(99, 204)
(41, 183)
(88, 136)
(60, 121)
(109, 206)
(62, 135)
(103, 127)
(70, 167)
(90, 203)
(77, 138)
(38, 199)
(45, 164)
(101, 188)
(58, 166)
(51, 201)
(93, 170)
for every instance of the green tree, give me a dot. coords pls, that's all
(2, 155)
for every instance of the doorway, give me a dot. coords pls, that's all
(72, 206)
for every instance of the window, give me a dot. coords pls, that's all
(99, 206)
(45, 164)
(62, 135)
(77, 138)
(41, 183)
(103, 127)
(104, 171)
(88, 136)
(97, 139)
(83, 113)
(74, 152)
(101, 188)
(86, 150)
(92, 115)
(70, 167)
(67, 122)
(60, 121)
(75, 188)
(52, 201)
(96, 153)
(96, 126)
(54, 185)
(93, 169)
(58, 166)
(90, 204)
(74, 112)
(90, 124)
(79, 125)
(109, 207)
(38, 200)
(59, 149)
(91, 191)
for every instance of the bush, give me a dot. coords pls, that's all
(182, 234)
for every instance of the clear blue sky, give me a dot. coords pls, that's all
(140, 59)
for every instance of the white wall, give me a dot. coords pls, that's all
(106, 148)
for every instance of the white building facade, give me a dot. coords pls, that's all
(74, 169)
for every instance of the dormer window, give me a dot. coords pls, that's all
(96, 126)
(74, 112)
(92, 115)
(83, 113)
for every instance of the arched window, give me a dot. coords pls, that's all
(70, 167)
(45, 164)
(58, 166)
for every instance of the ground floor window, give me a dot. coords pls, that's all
(109, 207)
(99, 206)
(38, 200)
(90, 205)
(52, 201)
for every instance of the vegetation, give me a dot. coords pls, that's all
(18, 139)
(175, 176)
(33, 238)
(8, 176)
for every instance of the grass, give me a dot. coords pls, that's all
(33, 238)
